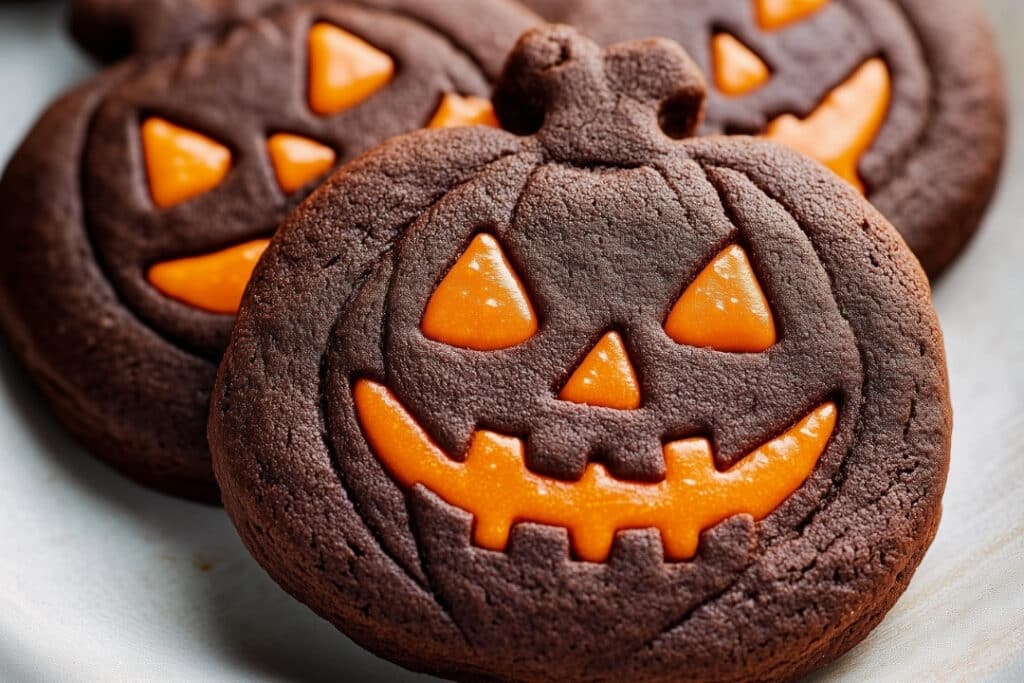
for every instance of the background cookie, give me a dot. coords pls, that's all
(135, 210)
(471, 358)
(904, 98)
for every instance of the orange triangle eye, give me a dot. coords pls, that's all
(344, 69)
(605, 378)
(181, 164)
(480, 304)
(297, 160)
(724, 308)
(738, 70)
(456, 110)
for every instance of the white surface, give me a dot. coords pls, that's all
(101, 580)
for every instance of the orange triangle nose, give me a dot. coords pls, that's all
(605, 378)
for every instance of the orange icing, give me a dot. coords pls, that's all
(481, 303)
(844, 125)
(180, 163)
(605, 378)
(344, 69)
(297, 160)
(456, 110)
(738, 70)
(775, 14)
(724, 308)
(211, 282)
(494, 485)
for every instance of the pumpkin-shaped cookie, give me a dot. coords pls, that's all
(136, 209)
(600, 402)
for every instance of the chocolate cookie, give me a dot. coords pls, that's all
(134, 212)
(903, 98)
(589, 404)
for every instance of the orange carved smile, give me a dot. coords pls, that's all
(495, 486)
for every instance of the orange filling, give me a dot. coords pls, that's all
(605, 378)
(456, 110)
(494, 485)
(481, 303)
(181, 164)
(212, 282)
(842, 128)
(298, 161)
(344, 69)
(724, 308)
(738, 70)
(775, 14)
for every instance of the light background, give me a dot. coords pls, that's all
(101, 580)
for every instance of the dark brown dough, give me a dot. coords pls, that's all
(128, 369)
(606, 218)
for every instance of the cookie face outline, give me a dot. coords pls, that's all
(397, 568)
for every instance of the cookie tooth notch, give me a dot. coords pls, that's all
(586, 105)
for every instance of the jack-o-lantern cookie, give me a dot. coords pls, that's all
(903, 98)
(135, 211)
(595, 403)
